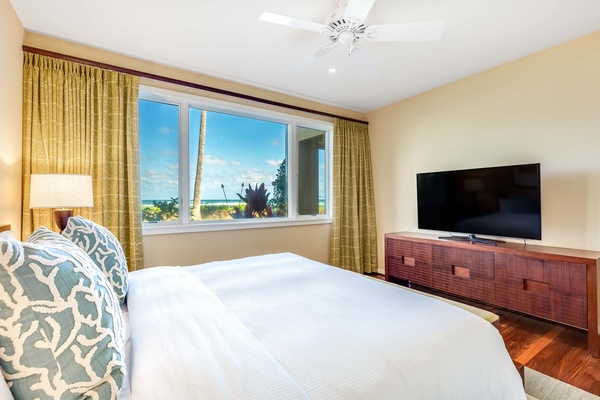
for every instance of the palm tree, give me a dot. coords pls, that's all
(196, 214)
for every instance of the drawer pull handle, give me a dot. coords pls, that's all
(535, 286)
(461, 272)
(410, 261)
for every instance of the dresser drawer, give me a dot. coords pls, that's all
(464, 272)
(410, 261)
(409, 272)
(419, 252)
(463, 263)
(473, 287)
(550, 289)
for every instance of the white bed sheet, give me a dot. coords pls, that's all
(5, 393)
(317, 331)
(124, 393)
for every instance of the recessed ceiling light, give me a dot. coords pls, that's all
(332, 69)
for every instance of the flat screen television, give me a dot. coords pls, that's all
(496, 201)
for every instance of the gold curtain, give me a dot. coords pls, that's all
(354, 231)
(80, 119)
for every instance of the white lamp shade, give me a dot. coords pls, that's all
(60, 191)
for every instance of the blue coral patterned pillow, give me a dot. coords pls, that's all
(103, 248)
(61, 328)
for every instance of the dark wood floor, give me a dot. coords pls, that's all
(555, 350)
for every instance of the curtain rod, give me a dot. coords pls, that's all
(183, 83)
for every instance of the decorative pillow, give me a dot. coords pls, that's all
(103, 248)
(61, 328)
(7, 235)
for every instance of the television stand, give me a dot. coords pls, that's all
(556, 284)
(473, 238)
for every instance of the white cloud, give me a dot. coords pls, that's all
(164, 130)
(211, 160)
(159, 184)
(254, 176)
(273, 163)
(236, 163)
(233, 179)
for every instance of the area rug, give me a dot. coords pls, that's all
(542, 387)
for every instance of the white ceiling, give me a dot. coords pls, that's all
(224, 38)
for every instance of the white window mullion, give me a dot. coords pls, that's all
(329, 175)
(184, 164)
(292, 174)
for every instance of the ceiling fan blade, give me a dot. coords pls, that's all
(363, 63)
(358, 9)
(292, 22)
(313, 57)
(406, 32)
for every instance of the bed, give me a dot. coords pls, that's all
(281, 326)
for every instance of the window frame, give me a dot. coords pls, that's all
(187, 100)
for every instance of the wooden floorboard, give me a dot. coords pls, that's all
(538, 345)
(555, 350)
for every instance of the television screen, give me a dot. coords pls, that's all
(497, 201)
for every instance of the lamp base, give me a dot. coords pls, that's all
(61, 217)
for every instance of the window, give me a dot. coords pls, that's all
(231, 166)
(159, 161)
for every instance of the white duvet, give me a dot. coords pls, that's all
(285, 327)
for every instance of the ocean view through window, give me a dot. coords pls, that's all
(231, 165)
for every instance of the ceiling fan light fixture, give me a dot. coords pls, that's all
(346, 38)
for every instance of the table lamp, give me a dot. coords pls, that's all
(62, 192)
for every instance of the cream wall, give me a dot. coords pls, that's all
(311, 241)
(11, 77)
(542, 108)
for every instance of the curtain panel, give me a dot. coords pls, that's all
(354, 231)
(79, 119)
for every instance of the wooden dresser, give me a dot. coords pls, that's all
(556, 284)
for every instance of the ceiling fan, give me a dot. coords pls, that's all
(345, 26)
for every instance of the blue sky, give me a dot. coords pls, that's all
(237, 150)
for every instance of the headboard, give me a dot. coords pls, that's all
(5, 227)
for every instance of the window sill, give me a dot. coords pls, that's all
(165, 229)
